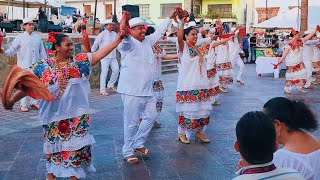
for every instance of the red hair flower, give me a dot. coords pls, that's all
(318, 28)
(293, 31)
(52, 37)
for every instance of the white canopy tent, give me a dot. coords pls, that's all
(291, 19)
(53, 3)
(33, 3)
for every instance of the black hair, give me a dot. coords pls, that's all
(205, 33)
(150, 30)
(291, 35)
(275, 36)
(187, 31)
(256, 137)
(295, 114)
(59, 38)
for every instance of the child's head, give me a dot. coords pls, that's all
(256, 138)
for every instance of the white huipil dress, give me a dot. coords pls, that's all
(316, 60)
(66, 122)
(212, 73)
(158, 88)
(224, 66)
(296, 73)
(192, 97)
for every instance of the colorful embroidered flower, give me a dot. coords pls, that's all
(192, 95)
(46, 77)
(65, 155)
(38, 69)
(181, 120)
(64, 127)
(74, 72)
(81, 57)
(84, 68)
(179, 97)
(75, 121)
(193, 123)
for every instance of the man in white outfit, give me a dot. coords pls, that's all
(103, 39)
(234, 47)
(29, 49)
(136, 85)
(308, 57)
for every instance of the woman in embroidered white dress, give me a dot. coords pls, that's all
(192, 96)
(224, 66)
(212, 67)
(296, 73)
(65, 119)
(316, 62)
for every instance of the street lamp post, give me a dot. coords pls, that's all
(114, 18)
(191, 18)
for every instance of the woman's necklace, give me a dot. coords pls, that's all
(63, 76)
(201, 56)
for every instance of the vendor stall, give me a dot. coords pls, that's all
(265, 65)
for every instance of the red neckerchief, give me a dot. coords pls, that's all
(257, 170)
(298, 45)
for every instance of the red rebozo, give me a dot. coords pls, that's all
(86, 40)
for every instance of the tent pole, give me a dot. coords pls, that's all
(24, 9)
(94, 18)
(12, 11)
(8, 9)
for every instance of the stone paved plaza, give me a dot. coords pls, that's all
(21, 140)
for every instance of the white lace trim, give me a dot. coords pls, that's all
(79, 172)
(302, 74)
(195, 114)
(72, 144)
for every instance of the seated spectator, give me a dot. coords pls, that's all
(301, 151)
(1, 17)
(78, 24)
(256, 142)
(68, 22)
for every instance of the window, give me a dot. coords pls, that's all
(144, 10)
(221, 9)
(197, 9)
(165, 9)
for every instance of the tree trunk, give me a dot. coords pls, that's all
(304, 16)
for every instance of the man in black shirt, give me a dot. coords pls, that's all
(74, 17)
(253, 44)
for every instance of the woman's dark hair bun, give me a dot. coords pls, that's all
(295, 114)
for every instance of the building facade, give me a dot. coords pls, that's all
(228, 10)
(104, 7)
(157, 10)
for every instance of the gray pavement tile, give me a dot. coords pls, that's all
(5, 165)
(18, 175)
(3, 174)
